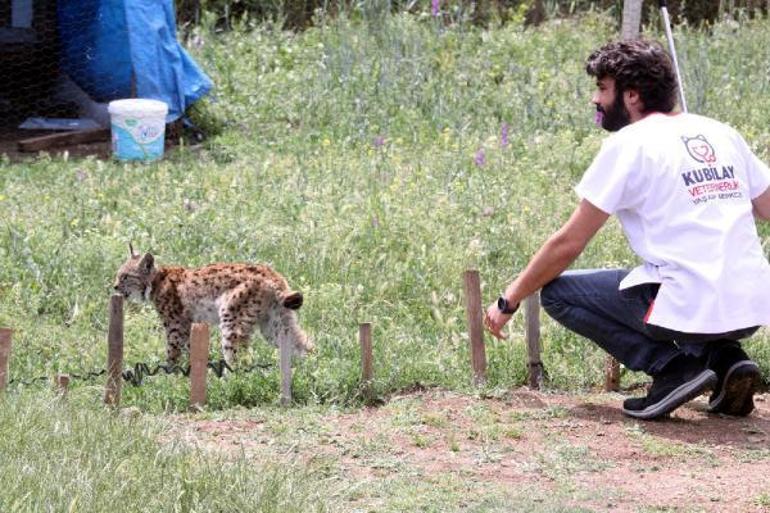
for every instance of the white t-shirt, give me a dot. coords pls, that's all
(681, 186)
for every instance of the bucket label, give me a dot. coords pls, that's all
(143, 141)
(143, 132)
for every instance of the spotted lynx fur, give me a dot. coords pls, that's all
(237, 297)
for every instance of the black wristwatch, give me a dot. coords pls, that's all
(505, 307)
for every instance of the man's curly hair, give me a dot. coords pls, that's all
(637, 64)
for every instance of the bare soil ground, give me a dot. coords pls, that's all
(523, 451)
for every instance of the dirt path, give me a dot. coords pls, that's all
(529, 451)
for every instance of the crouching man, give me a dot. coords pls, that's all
(686, 190)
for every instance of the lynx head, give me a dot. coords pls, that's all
(134, 278)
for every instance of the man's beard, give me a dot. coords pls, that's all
(615, 117)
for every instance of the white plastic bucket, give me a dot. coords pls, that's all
(138, 128)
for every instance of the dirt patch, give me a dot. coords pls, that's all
(565, 450)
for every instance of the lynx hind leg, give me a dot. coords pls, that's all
(237, 323)
(282, 324)
(177, 339)
(232, 344)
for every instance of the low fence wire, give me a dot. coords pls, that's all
(136, 374)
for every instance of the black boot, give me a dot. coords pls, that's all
(738, 378)
(684, 378)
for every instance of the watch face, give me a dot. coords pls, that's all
(504, 306)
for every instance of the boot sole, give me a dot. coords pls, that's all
(737, 394)
(682, 394)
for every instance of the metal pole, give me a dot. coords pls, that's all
(670, 37)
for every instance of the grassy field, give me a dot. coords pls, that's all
(370, 162)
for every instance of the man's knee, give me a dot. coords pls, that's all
(552, 297)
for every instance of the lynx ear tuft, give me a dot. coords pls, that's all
(131, 251)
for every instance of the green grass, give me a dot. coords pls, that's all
(346, 158)
(368, 232)
(75, 456)
(763, 500)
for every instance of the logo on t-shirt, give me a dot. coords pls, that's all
(710, 182)
(699, 149)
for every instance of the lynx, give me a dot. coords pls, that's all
(237, 297)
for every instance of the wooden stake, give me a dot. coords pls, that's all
(532, 315)
(62, 383)
(199, 359)
(114, 352)
(5, 355)
(45, 142)
(367, 374)
(475, 326)
(286, 350)
(611, 374)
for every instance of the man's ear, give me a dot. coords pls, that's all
(632, 98)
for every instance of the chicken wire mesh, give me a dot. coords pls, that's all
(59, 59)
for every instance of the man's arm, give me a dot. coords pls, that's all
(762, 205)
(553, 257)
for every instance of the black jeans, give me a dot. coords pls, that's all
(589, 303)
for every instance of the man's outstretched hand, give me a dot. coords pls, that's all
(494, 320)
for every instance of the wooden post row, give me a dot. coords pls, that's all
(199, 360)
(476, 334)
(475, 326)
(367, 372)
(114, 352)
(5, 356)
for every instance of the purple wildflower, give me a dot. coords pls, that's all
(504, 135)
(480, 159)
(434, 7)
(378, 141)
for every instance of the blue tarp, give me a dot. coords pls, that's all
(105, 44)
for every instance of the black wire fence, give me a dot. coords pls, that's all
(136, 375)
